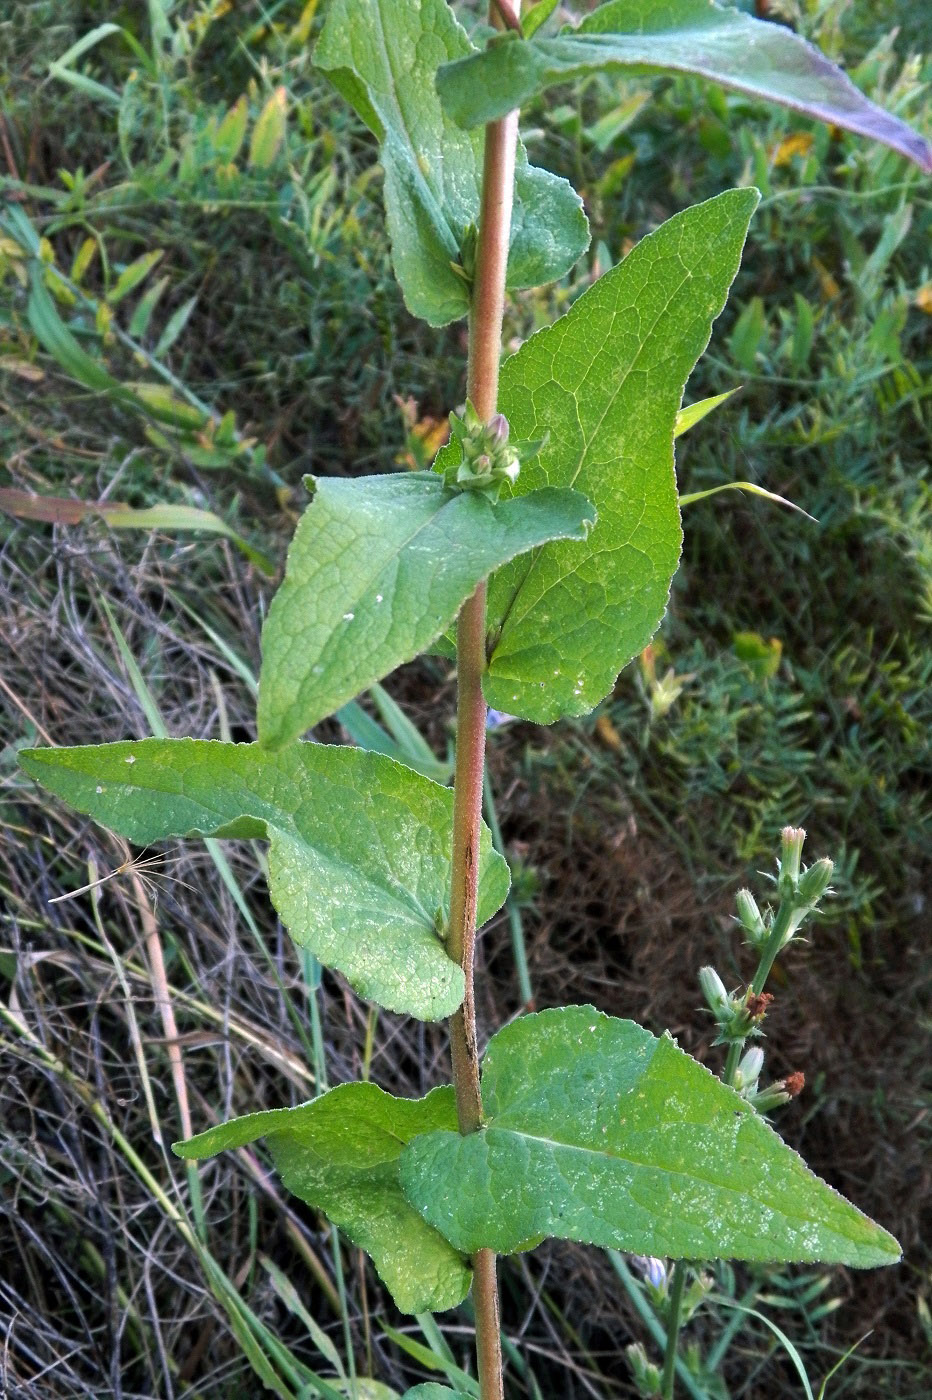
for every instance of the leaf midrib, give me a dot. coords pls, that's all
(693, 1176)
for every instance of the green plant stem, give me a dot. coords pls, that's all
(652, 1322)
(731, 1062)
(781, 927)
(485, 337)
(677, 1285)
(775, 942)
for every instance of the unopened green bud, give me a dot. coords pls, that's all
(748, 1071)
(646, 1373)
(814, 882)
(713, 989)
(774, 1096)
(700, 1285)
(751, 919)
(791, 843)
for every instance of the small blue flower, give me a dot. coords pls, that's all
(654, 1270)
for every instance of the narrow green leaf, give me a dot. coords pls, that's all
(747, 333)
(598, 1131)
(383, 59)
(83, 259)
(605, 382)
(88, 41)
(803, 332)
(172, 517)
(60, 68)
(692, 496)
(378, 568)
(132, 275)
(340, 1154)
(780, 1336)
(358, 854)
(230, 134)
(175, 325)
(694, 413)
(291, 1297)
(167, 406)
(142, 313)
(433, 1360)
(57, 339)
(269, 131)
(413, 748)
(537, 15)
(763, 60)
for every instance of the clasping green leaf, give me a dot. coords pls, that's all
(598, 1131)
(605, 383)
(378, 568)
(358, 845)
(340, 1154)
(383, 58)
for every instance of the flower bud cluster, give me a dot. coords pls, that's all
(800, 889)
(803, 887)
(489, 459)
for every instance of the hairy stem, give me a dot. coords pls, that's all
(485, 336)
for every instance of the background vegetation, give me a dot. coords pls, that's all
(188, 206)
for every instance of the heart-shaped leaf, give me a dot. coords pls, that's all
(379, 566)
(598, 1131)
(340, 1154)
(383, 58)
(358, 845)
(727, 46)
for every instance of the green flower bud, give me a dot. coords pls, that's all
(780, 1092)
(646, 1373)
(468, 244)
(750, 918)
(814, 882)
(791, 841)
(713, 989)
(748, 1071)
(489, 459)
